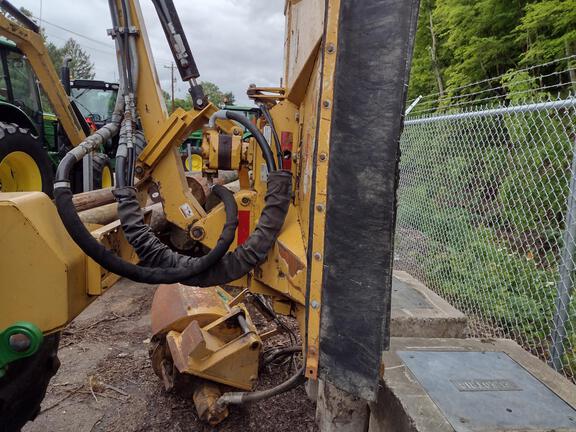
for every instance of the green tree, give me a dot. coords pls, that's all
(81, 66)
(478, 37)
(211, 90)
(184, 103)
(216, 96)
(548, 31)
(427, 68)
(459, 42)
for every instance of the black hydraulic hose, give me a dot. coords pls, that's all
(264, 147)
(110, 261)
(280, 352)
(268, 118)
(239, 398)
(120, 170)
(126, 157)
(130, 167)
(236, 264)
(125, 12)
(121, 155)
(130, 85)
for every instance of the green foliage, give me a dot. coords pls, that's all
(422, 81)
(81, 67)
(548, 30)
(480, 39)
(481, 215)
(212, 91)
(216, 96)
(476, 37)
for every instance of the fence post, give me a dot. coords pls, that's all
(565, 268)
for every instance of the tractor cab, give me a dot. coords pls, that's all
(95, 101)
(24, 164)
(30, 145)
(19, 95)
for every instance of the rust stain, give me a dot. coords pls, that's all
(292, 261)
(175, 305)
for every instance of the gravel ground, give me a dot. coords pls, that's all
(106, 382)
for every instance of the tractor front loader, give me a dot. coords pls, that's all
(309, 234)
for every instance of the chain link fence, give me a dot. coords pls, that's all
(487, 219)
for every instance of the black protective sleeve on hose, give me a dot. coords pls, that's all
(152, 252)
(106, 258)
(260, 139)
(238, 263)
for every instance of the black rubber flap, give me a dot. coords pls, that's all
(374, 52)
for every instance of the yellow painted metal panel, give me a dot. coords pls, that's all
(307, 140)
(305, 25)
(43, 275)
(150, 102)
(316, 145)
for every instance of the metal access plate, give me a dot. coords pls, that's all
(488, 391)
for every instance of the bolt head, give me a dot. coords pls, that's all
(254, 345)
(19, 342)
(197, 233)
(314, 304)
(326, 104)
(322, 157)
(330, 48)
(320, 208)
(317, 256)
(245, 201)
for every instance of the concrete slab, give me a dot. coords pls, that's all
(419, 312)
(434, 391)
(337, 411)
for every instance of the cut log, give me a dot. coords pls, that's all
(88, 200)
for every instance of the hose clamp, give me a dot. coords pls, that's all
(62, 185)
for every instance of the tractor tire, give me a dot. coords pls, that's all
(24, 163)
(24, 386)
(102, 172)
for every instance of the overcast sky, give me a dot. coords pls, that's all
(235, 42)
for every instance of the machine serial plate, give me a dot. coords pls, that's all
(488, 391)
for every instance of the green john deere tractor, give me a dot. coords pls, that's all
(30, 141)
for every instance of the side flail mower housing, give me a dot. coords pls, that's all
(206, 333)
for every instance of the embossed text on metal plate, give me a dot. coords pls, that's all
(475, 385)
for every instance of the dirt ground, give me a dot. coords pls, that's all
(106, 382)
